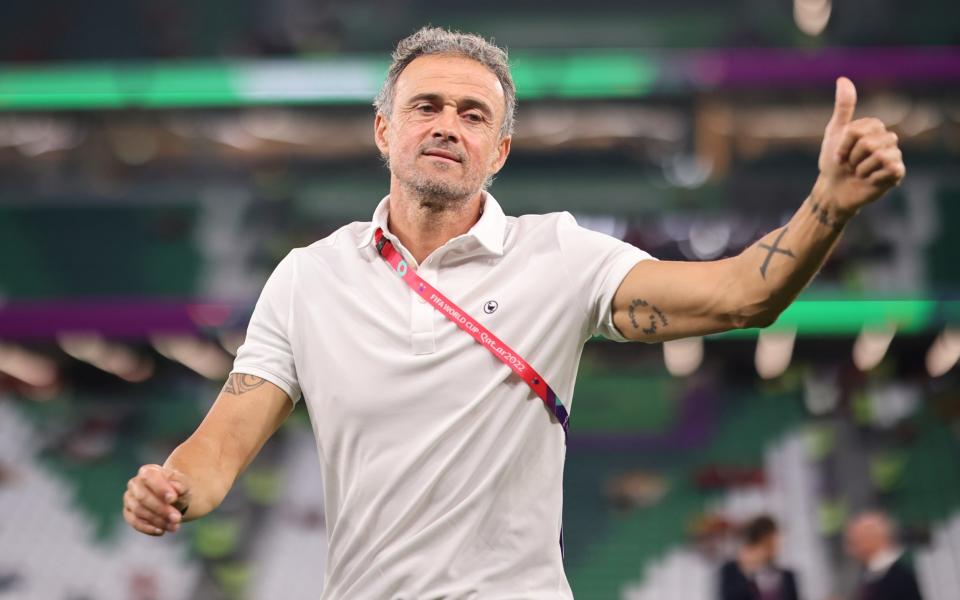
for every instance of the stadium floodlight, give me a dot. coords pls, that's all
(944, 352)
(871, 346)
(198, 355)
(682, 357)
(774, 352)
(31, 368)
(812, 16)
(106, 356)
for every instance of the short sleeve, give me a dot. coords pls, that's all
(266, 351)
(597, 264)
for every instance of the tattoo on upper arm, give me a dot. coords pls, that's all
(656, 316)
(774, 249)
(823, 216)
(240, 383)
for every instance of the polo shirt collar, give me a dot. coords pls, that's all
(884, 560)
(488, 231)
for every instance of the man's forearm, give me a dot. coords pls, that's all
(859, 161)
(199, 459)
(774, 270)
(660, 301)
(247, 412)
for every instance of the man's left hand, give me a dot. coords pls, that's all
(859, 160)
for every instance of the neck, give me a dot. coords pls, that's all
(883, 558)
(751, 559)
(423, 226)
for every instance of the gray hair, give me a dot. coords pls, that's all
(436, 40)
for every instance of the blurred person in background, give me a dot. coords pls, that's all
(886, 575)
(754, 574)
(442, 472)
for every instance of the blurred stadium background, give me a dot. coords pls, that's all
(157, 159)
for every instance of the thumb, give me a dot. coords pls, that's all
(844, 104)
(179, 486)
(177, 480)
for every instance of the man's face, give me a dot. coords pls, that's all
(770, 546)
(864, 538)
(442, 139)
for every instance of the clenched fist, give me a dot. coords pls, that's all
(859, 160)
(155, 499)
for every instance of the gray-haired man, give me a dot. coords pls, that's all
(442, 470)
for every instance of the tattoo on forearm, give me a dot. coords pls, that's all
(774, 249)
(240, 383)
(823, 216)
(655, 317)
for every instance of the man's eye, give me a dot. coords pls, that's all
(474, 117)
(425, 108)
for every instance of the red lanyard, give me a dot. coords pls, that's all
(467, 323)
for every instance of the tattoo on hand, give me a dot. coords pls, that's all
(823, 216)
(240, 383)
(655, 316)
(774, 249)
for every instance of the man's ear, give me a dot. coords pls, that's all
(503, 151)
(380, 124)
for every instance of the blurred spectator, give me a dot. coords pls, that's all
(754, 574)
(6, 475)
(9, 582)
(636, 489)
(886, 575)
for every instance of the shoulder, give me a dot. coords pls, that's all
(534, 221)
(348, 236)
(344, 243)
(568, 227)
(791, 589)
(593, 241)
(547, 227)
(341, 245)
(902, 577)
(902, 567)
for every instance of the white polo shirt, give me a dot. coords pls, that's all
(442, 470)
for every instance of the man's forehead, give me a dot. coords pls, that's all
(869, 524)
(447, 73)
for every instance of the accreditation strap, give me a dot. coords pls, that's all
(480, 334)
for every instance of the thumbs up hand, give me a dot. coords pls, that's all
(859, 159)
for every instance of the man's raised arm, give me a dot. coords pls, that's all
(200, 471)
(658, 301)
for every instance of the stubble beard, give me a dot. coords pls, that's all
(435, 193)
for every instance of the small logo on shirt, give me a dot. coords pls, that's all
(490, 307)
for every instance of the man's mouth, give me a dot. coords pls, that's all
(445, 154)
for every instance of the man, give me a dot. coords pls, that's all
(887, 575)
(754, 575)
(442, 472)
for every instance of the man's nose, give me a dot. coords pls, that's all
(447, 124)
